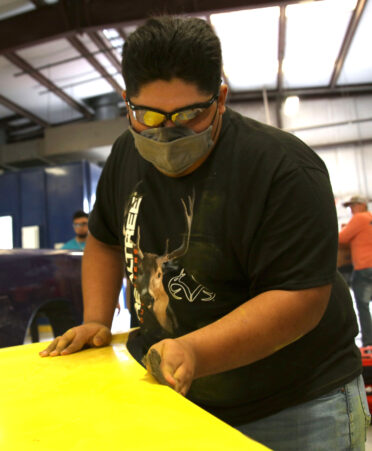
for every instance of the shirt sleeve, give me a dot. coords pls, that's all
(295, 246)
(349, 231)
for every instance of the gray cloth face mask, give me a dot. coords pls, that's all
(172, 149)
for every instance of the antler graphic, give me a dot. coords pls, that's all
(182, 250)
(149, 279)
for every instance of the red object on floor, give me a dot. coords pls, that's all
(367, 372)
(366, 355)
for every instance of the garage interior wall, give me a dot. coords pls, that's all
(47, 198)
(61, 84)
(339, 130)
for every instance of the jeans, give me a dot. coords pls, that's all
(361, 284)
(336, 421)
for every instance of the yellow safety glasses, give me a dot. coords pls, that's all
(153, 118)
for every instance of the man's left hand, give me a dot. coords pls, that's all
(172, 362)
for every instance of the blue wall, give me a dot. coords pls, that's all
(48, 197)
(32, 201)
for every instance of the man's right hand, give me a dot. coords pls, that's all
(73, 340)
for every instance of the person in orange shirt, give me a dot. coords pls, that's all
(358, 234)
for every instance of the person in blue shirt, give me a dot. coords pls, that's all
(80, 225)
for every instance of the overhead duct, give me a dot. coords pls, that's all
(89, 141)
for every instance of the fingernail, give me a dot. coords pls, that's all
(98, 341)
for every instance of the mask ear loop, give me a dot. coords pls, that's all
(218, 125)
(129, 119)
(128, 114)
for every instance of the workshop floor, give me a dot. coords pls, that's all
(369, 439)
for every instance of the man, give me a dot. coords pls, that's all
(229, 234)
(358, 235)
(80, 225)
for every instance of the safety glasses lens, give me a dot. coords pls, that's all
(152, 118)
(186, 115)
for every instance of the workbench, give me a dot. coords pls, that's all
(100, 399)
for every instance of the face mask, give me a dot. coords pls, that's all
(172, 149)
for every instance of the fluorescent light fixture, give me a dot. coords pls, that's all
(291, 106)
(86, 204)
(92, 200)
(59, 172)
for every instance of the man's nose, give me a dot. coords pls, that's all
(169, 123)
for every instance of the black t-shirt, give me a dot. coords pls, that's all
(257, 215)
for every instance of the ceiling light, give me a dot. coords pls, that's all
(291, 106)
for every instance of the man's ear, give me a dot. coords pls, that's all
(222, 99)
(124, 96)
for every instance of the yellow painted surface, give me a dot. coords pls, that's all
(99, 399)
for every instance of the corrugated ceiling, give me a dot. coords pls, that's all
(51, 75)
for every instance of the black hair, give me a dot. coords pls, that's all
(80, 214)
(167, 47)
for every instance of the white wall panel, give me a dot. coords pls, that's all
(349, 162)
(328, 121)
(344, 169)
(256, 111)
(350, 170)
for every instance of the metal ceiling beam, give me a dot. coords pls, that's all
(40, 78)
(279, 82)
(338, 91)
(80, 47)
(82, 82)
(281, 47)
(69, 16)
(104, 47)
(64, 61)
(356, 143)
(329, 124)
(31, 134)
(8, 119)
(23, 112)
(38, 3)
(17, 128)
(350, 33)
(122, 33)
